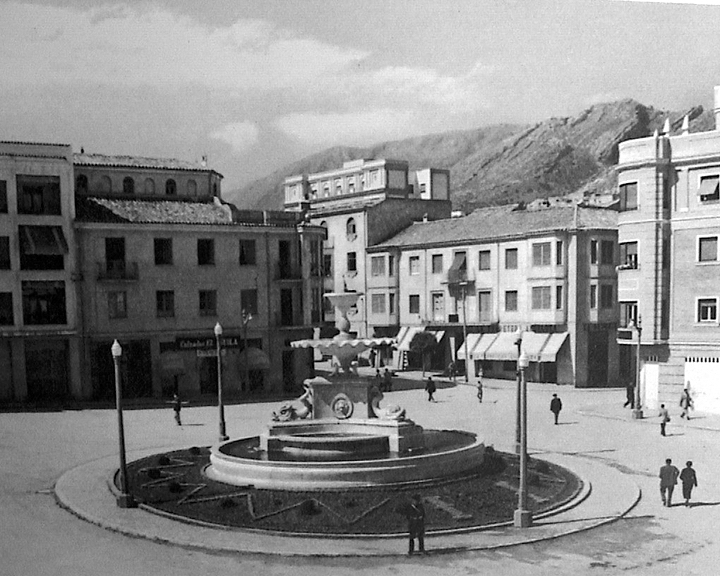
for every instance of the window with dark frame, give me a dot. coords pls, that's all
(593, 296)
(484, 260)
(511, 300)
(170, 187)
(165, 303)
(391, 303)
(558, 297)
(207, 305)
(541, 254)
(206, 252)
(352, 262)
(541, 298)
(3, 197)
(414, 303)
(707, 310)
(437, 263)
(628, 196)
(38, 194)
(128, 185)
(163, 251)
(708, 249)
(327, 265)
(44, 302)
(247, 253)
(511, 258)
(628, 313)
(7, 318)
(4, 252)
(629, 255)
(709, 189)
(559, 253)
(593, 251)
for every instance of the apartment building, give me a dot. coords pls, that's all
(360, 205)
(477, 280)
(669, 274)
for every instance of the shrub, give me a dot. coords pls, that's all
(227, 503)
(309, 508)
(493, 463)
(163, 461)
(542, 467)
(534, 479)
(153, 473)
(175, 487)
(194, 451)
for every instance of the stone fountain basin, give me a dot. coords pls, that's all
(329, 445)
(447, 454)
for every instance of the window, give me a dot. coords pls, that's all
(149, 186)
(327, 265)
(484, 260)
(511, 258)
(170, 187)
(249, 301)
(6, 309)
(375, 177)
(707, 249)
(3, 197)
(117, 305)
(207, 302)
(558, 297)
(163, 251)
(707, 310)
(628, 196)
(128, 185)
(351, 184)
(593, 251)
(206, 252)
(352, 262)
(377, 265)
(541, 298)
(628, 313)
(4, 252)
(606, 296)
(593, 296)
(391, 303)
(338, 187)
(414, 265)
(391, 265)
(437, 263)
(484, 306)
(559, 253)
(43, 302)
(165, 303)
(541, 254)
(377, 302)
(42, 247)
(414, 303)
(351, 228)
(38, 194)
(709, 190)
(607, 252)
(81, 184)
(247, 253)
(629, 255)
(192, 188)
(105, 186)
(511, 301)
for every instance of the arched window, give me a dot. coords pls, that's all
(81, 184)
(192, 188)
(170, 187)
(128, 185)
(149, 186)
(350, 228)
(105, 185)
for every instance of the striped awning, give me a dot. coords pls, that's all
(472, 340)
(552, 347)
(407, 333)
(503, 347)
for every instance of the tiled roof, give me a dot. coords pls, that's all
(91, 209)
(501, 222)
(83, 159)
(323, 209)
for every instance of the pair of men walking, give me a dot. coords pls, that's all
(669, 475)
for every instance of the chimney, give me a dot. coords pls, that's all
(716, 108)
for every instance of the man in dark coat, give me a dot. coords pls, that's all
(416, 524)
(630, 394)
(668, 479)
(689, 481)
(430, 388)
(555, 406)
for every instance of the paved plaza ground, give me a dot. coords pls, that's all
(597, 437)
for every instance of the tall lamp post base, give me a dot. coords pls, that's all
(125, 501)
(522, 519)
(637, 414)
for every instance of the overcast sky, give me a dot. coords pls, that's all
(255, 84)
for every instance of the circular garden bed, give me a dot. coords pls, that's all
(174, 483)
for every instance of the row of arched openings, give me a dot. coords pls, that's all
(129, 188)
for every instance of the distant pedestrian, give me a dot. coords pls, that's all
(177, 405)
(689, 481)
(555, 406)
(668, 479)
(480, 391)
(372, 357)
(664, 418)
(416, 524)
(452, 371)
(686, 403)
(387, 381)
(430, 389)
(630, 394)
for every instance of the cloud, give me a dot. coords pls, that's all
(134, 46)
(240, 135)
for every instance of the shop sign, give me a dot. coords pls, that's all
(208, 343)
(209, 353)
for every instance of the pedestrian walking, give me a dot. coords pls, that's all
(668, 479)
(430, 389)
(480, 391)
(387, 381)
(689, 481)
(416, 525)
(686, 403)
(177, 405)
(629, 394)
(555, 406)
(664, 418)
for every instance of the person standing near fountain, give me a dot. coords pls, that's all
(416, 525)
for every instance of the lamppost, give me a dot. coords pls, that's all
(246, 317)
(221, 409)
(518, 343)
(637, 411)
(523, 517)
(467, 357)
(124, 499)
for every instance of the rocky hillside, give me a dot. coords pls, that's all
(504, 163)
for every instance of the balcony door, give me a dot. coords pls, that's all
(438, 307)
(115, 254)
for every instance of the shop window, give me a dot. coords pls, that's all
(38, 194)
(165, 303)
(43, 302)
(163, 251)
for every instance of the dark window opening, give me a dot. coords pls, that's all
(206, 252)
(128, 185)
(42, 248)
(38, 194)
(6, 309)
(248, 301)
(247, 253)
(4, 253)
(170, 187)
(165, 303)
(81, 184)
(3, 197)
(208, 302)
(43, 303)
(163, 251)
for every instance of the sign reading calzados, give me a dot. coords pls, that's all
(187, 343)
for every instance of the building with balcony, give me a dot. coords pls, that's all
(362, 204)
(40, 319)
(669, 273)
(476, 280)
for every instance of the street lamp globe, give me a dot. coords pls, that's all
(218, 330)
(523, 360)
(116, 349)
(519, 336)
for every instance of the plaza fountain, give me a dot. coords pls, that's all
(337, 434)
